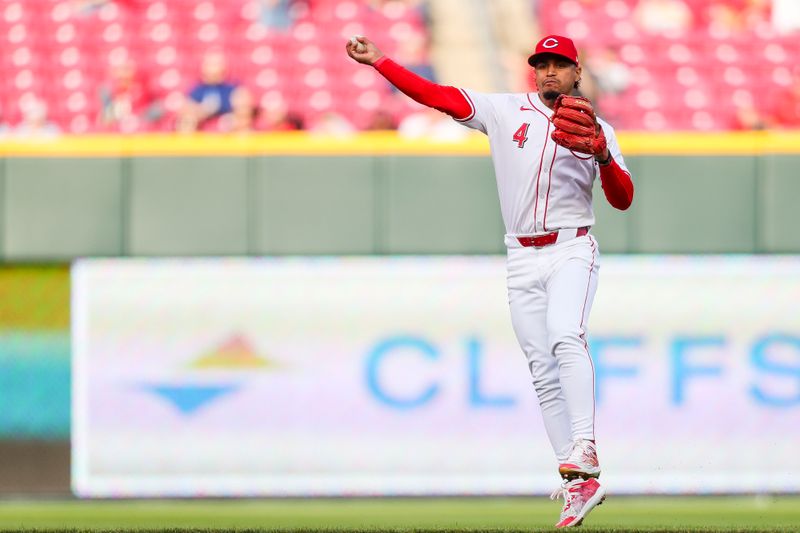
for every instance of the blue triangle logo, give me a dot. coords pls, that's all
(189, 398)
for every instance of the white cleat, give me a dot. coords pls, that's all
(580, 497)
(582, 462)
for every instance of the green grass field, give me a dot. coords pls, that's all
(402, 515)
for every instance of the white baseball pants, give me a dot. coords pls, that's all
(550, 293)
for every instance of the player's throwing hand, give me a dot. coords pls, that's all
(363, 50)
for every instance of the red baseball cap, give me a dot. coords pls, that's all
(556, 45)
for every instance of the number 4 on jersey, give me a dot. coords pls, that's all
(522, 135)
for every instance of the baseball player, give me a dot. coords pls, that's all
(547, 148)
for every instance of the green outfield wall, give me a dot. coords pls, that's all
(371, 194)
(57, 208)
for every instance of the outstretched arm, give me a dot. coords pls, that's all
(442, 97)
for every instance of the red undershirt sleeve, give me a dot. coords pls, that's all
(617, 185)
(442, 97)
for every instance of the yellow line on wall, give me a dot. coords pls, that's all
(293, 143)
(695, 143)
(380, 143)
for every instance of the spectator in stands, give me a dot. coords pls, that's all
(726, 17)
(429, 123)
(663, 17)
(88, 7)
(34, 124)
(757, 16)
(413, 51)
(387, 6)
(381, 120)
(244, 114)
(275, 14)
(210, 98)
(612, 75)
(747, 117)
(332, 123)
(127, 105)
(723, 19)
(275, 116)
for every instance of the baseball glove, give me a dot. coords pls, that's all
(576, 126)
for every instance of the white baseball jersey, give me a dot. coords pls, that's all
(545, 187)
(542, 186)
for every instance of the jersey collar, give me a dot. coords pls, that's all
(536, 102)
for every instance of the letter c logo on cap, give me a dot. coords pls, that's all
(550, 43)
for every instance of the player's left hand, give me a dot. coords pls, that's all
(576, 126)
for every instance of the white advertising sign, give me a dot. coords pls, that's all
(402, 376)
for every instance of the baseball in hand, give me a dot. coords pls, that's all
(360, 47)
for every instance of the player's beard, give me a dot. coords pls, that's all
(550, 94)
